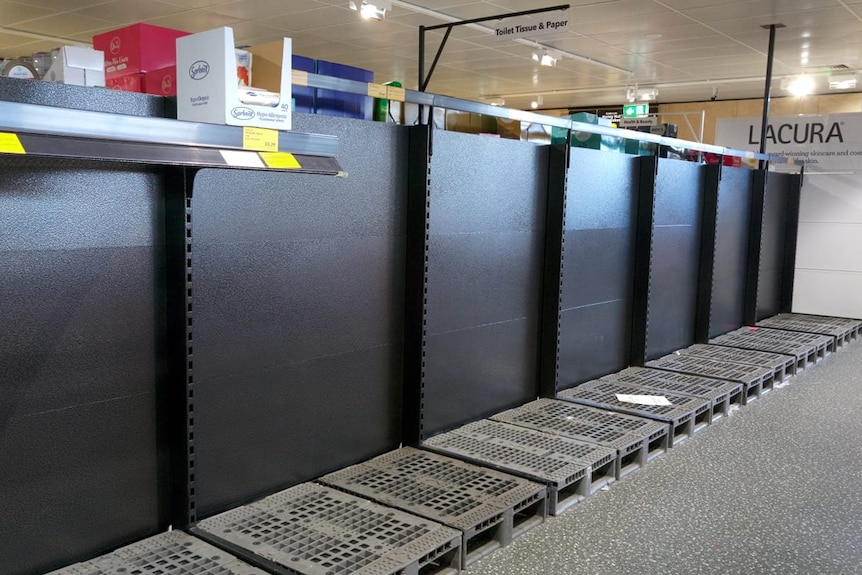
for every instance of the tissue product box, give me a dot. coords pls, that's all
(79, 66)
(138, 48)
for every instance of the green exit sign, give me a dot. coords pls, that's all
(636, 111)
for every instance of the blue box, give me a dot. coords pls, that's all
(346, 105)
(303, 96)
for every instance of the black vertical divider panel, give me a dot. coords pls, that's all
(755, 240)
(647, 167)
(794, 197)
(177, 399)
(675, 261)
(598, 271)
(82, 360)
(552, 282)
(708, 256)
(726, 287)
(773, 247)
(298, 316)
(416, 267)
(485, 245)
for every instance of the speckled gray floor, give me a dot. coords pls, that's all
(775, 488)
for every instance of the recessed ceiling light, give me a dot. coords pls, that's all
(799, 86)
(653, 36)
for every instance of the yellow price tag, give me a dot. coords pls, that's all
(260, 139)
(299, 77)
(377, 90)
(10, 144)
(280, 160)
(395, 93)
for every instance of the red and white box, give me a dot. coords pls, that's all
(139, 48)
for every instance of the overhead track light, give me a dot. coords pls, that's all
(375, 10)
(648, 95)
(537, 102)
(545, 58)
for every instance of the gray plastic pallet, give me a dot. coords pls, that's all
(753, 378)
(311, 529)
(723, 393)
(490, 508)
(637, 440)
(572, 469)
(174, 553)
(843, 330)
(687, 415)
(808, 348)
(855, 325)
(783, 366)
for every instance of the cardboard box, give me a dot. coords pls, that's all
(78, 66)
(207, 87)
(127, 83)
(162, 82)
(156, 82)
(137, 48)
(343, 104)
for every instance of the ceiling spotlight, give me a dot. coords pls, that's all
(842, 82)
(537, 102)
(631, 94)
(493, 101)
(545, 59)
(375, 10)
(799, 86)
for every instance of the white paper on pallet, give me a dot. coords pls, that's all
(208, 90)
(643, 399)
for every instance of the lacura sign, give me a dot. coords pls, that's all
(824, 142)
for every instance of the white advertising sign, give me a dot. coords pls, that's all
(532, 26)
(830, 142)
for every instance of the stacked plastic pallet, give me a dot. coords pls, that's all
(173, 552)
(472, 490)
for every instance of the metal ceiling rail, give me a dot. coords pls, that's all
(461, 105)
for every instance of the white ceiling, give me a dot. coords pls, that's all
(685, 48)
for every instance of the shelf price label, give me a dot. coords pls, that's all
(259, 139)
(10, 144)
(299, 77)
(280, 160)
(395, 93)
(377, 90)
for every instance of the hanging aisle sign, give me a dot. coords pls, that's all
(529, 27)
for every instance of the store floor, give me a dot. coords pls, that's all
(775, 488)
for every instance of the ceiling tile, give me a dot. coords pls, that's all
(125, 12)
(197, 21)
(64, 25)
(763, 11)
(13, 13)
(322, 18)
(263, 9)
(61, 5)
